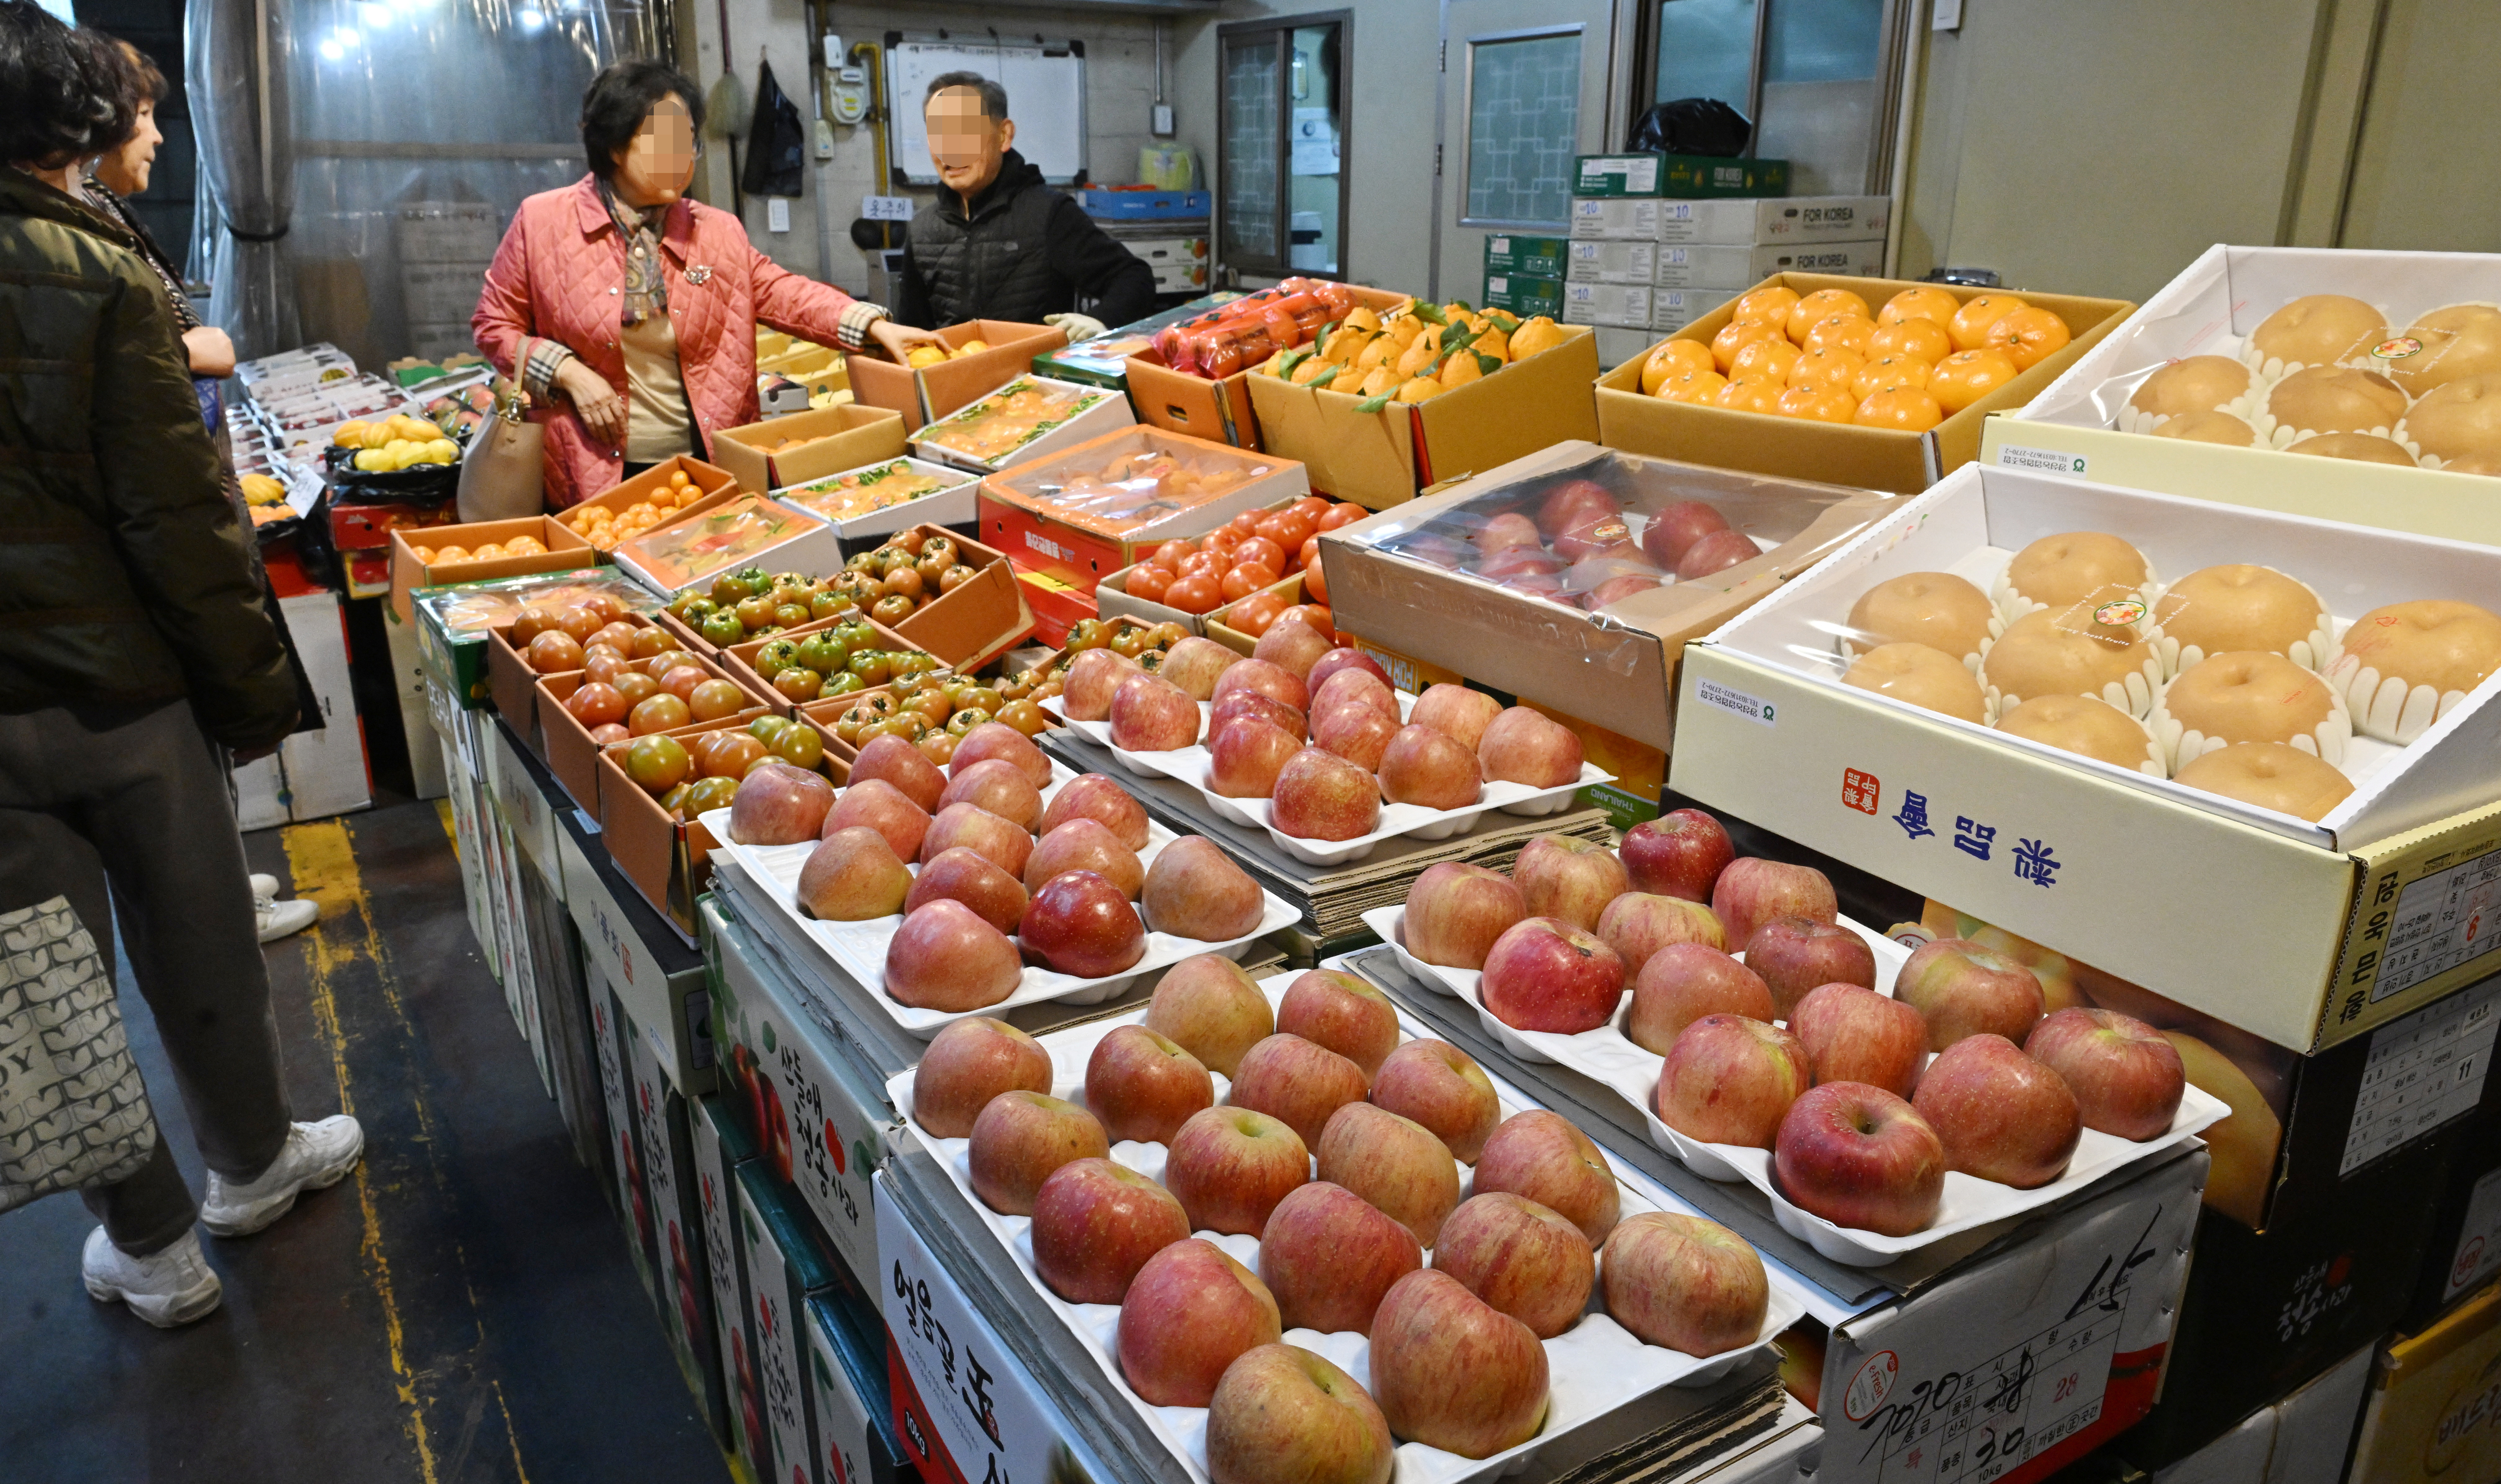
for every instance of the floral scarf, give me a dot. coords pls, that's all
(647, 287)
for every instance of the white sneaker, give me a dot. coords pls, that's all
(172, 1287)
(315, 1157)
(281, 919)
(264, 886)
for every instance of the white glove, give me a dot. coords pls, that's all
(1077, 326)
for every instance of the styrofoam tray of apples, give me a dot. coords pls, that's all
(1592, 1367)
(1607, 1055)
(859, 947)
(1190, 765)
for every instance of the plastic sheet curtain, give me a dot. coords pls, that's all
(236, 63)
(417, 127)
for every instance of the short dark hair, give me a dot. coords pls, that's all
(620, 98)
(994, 98)
(65, 93)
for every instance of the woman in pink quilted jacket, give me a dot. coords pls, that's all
(636, 307)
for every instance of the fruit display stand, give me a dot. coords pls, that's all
(1871, 458)
(2077, 424)
(808, 445)
(1091, 509)
(923, 394)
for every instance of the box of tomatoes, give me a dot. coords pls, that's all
(1090, 512)
(1875, 383)
(1186, 581)
(654, 788)
(614, 700)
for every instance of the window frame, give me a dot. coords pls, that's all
(1893, 49)
(1282, 29)
(1467, 116)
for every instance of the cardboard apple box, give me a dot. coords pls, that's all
(564, 552)
(808, 445)
(932, 392)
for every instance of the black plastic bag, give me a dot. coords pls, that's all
(1692, 126)
(776, 147)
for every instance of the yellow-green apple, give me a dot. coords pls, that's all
(997, 739)
(2001, 1115)
(1729, 1079)
(1151, 714)
(1855, 1034)
(1194, 664)
(1677, 526)
(1020, 1138)
(2126, 1079)
(1245, 753)
(946, 958)
(1540, 1156)
(1091, 796)
(1797, 954)
(1084, 926)
(1328, 1255)
(1283, 1415)
(1002, 842)
(1355, 732)
(781, 805)
(1638, 924)
(1143, 1086)
(1521, 745)
(877, 804)
(1454, 1373)
(1688, 1284)
(1682, 982)
(1194, 890)
(1960, 989)
(903, 765)
(1441, 1087)
(1086, 844)
(1546, 974)
(1211, 1007)
(1321, 796)
(1345, 684)
(853, 876)
(968, 1064)
(1346, 657)
(1095, 1224)
(1269, 679)
(1288, 1078)
(1521, 1258)
(1751, 891)
(961, 875)
(1293, 646)
(1857, 1156)
(1679, 854)
(1562, 876)
(1229, 1167)
(1429, 770)
(1242, 704)
(1092, 678)
(1190, 1312)
(1341, 1012)
(999, 786)
(1397, 1164)
(1456, 711)
(1456, 911)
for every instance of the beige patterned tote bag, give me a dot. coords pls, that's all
(73, 1112)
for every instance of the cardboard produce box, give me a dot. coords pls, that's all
(1839, 454)
(656, 973)
(1524, 294)
(980, 620)
(747, 530)
(1620, 306)
(1382, 458)
(1058, 606)
(1535, 257)
(1104, 361)
(668, 860)
(2073, 425)
(682, 1262)
(1678, 175)
(786, 1261)
(1090, 511)
(886, 496)
(808, 445)
(1744, 223)
(2466, 1234)
(932, 392)
(2301, 1439)
(739, 659)
(565, 744)
(565, 552)
(2433, 1413)
(1029, 418)
(1617, 668)
(1673, 309)
(1734, 267)
(1218, 410)
(713, 484)
(724, 1141)
(2303, 933)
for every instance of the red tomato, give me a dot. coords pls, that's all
(1147, 583)
(1254, 615)
(1261, 550)
(1168, 555)
(1194, 593)
(682, 681)
(1311, 508)
(1246, 522)
(1244, 581)
(1340, 513)
(1286, 529)
(1315, 615)
(1223, 539)
(580, 622)
(1315, 577)
(603, 669)
(1203, 564)
(595, 705)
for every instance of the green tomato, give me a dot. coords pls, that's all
(915, 663)
(823, 654)
(843, 685)
(798, 746)
(966, 719)
(856, 635)
(828, 602)
(699, 610)
(776, 656)
(730, 589)
(766, 728)
(874, 667)
(722, 626)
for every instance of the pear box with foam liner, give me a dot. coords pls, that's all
(2082, 424)
(2303, 933)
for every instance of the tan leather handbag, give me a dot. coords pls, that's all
(503, 474)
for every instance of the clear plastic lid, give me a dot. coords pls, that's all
(1132, 478)
(992, 429)
(686, 551)
(472, 609)
(876, 488)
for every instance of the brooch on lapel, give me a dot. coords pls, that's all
(698, 273)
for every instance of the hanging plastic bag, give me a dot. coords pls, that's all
(1692, 126)
(777, 147)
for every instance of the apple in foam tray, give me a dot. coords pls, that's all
(1545, 975)
(1561, 876)
(2127, 1077)
(1679, 854)
(1455, 912)
(1857, 1156)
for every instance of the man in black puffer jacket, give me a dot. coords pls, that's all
(1000, 245)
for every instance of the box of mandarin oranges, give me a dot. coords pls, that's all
(671, 489)
(971, 359)
(1876, 382)
(2385, 367)
(480, 551)
(1087, 512)
(2074, 711)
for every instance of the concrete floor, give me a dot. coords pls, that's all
(461, 1308)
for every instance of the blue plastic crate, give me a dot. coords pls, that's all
(1146, 204)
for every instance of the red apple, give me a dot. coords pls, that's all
(1853, 1034)
(880, 805)
(1230, 1166)
(1565, 876)
(1018, 1139)
(1283, 1415)
(1143, 1087)
(1688, 1284)
(1194, 663)
(1345, 657)
(1679, 854)
(1545, 975)
(967, 1065)
(2001, 1115)
(780, 805)
(853, 876)
(1356, 732)
(1193, 890)
(1960, 989)
(1751, 891)
(1341, 1012)
(1638, 924)
(2127, 1077)
(1441, 1087)
(1321, 796)
(996, 739)
(1329, 1255)
(1508, 529)
(1095, 1224)
(1525, 1259)
(1616, 589)
(1682, 982)
(1429, 770)
(969, 826)
(1511, 563)
(1859, 1157)
(1294, 646)
(1456, 911)
(903, 765)
(1397, 1164)
(1677, 526)
(1540, 1156)
(1456, 711)
(1289, 1078)
(1210, 1006)
(1454, 1373)
(966, 875)
(1082, 926)
(1715, 552)
(998, 787)
(1255, 705)
(1272, 680)
(1092, 678)
(1085, 844)
(1797, 954)
(1357, 686)
(1151, 714)
(1092, 796)
(1730, 1080)
(1574, 502)
(1190, 1312)
(1246, 754)
(944, 957)
(1526, 747)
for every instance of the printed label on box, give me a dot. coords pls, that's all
(2423, 1072)
(713, 1184)
(2042, 460)
(842, 1419)
(2479, 1241)
(777, 1341)
(1729, 698)
(2448, 918)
